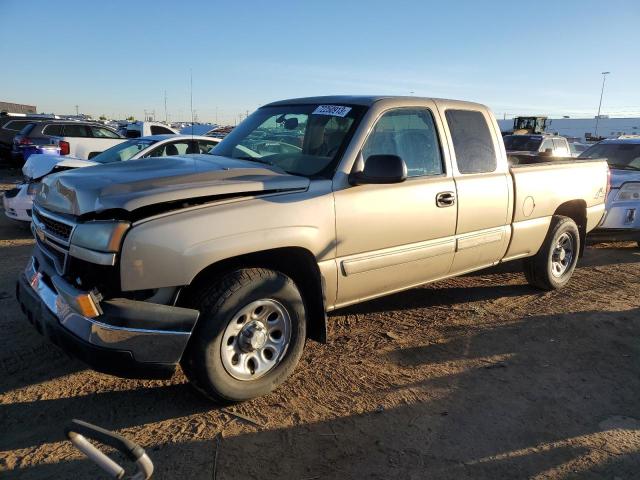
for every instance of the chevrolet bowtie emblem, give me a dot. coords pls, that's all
(40, 233)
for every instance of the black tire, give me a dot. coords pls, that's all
(539, 269)
(218, 304)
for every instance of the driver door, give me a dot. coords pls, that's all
(394, 236)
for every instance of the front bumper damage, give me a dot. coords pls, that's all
(129, 338)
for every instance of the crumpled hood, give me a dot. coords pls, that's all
(140, 183)
(618, 177)
(40, 164)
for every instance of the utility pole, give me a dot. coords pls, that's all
(604, 78)
(77, 110)
(165, 107)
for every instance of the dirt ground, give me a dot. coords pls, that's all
(475, 377)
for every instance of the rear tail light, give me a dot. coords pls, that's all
(25, 141)
(64, 147)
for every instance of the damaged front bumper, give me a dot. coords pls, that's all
(126, 338)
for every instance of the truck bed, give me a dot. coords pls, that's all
(551, 187)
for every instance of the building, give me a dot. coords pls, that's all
(17, 108)
(582, 128)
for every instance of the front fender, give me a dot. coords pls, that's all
(170, 250)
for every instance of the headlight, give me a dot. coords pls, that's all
(629, 191)
(33, 188)
(103, 236)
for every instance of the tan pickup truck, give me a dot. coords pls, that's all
(226, 263)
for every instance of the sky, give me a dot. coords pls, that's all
(119, 57)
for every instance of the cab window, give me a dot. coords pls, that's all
(411, 135)
(472, 141)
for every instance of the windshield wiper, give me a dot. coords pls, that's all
(255, 159)
(623, 167)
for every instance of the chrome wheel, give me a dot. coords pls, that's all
(256, 339)
(562, 255)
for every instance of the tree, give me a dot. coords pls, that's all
(102, 117)
(131, 119)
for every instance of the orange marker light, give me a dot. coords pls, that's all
(87, 306)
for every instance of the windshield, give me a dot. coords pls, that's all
(624, 156)
(123, 151)
(522, 143)
(303, 140)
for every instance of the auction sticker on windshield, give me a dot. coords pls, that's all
(333, 110)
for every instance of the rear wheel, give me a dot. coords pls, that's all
(249, 337)
(552, 267)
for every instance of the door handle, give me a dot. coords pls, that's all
(445, 199)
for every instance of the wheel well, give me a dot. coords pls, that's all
(577, 211)
(297, 263)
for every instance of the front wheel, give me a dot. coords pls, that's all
(250, 335)
(552, 267)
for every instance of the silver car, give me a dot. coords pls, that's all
(622, 220)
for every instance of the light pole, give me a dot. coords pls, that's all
(604, 78)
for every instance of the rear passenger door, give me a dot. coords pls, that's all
(483, 187)
(394, 236)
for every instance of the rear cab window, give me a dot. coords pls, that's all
(524, 143)
(472, 141)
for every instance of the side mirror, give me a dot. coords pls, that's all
(380, 169)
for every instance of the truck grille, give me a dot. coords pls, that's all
(52, 236)
(54, 227)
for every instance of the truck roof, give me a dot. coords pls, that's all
(364, 100)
